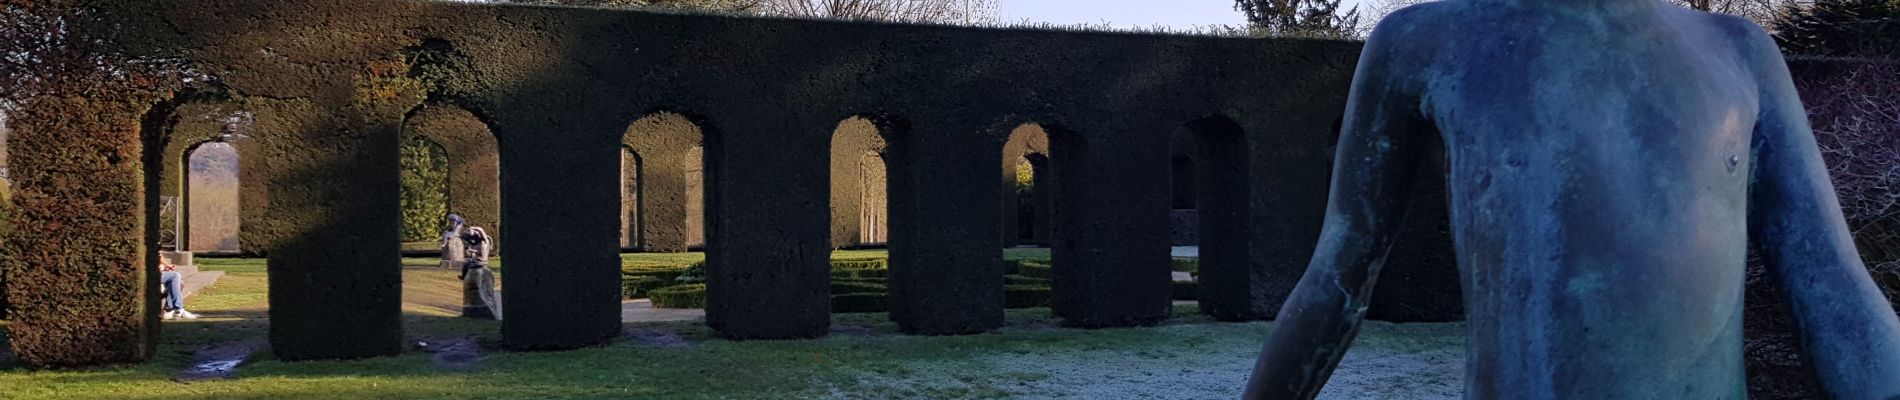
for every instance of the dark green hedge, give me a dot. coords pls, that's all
(1036, 269)
(682, 296)
(1024, 280)
(858, 303)
(635, 287)
(838, 288)
(1188, 265)
(1186, 290)
(76, 270)
(860, 263)
(1025, 296)
(6, 203)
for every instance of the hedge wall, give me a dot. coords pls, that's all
(76, 269)
(683, 296)
(859, 303)
(6, 203)
(1034, 269)
(1026, 296)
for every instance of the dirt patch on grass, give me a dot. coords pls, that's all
(657, 338)
(220, 361)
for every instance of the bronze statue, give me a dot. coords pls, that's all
(1608, 163)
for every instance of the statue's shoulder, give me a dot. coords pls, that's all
(1428, 18)
(1752, 45)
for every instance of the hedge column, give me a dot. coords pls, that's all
(945, 266)
(560, 211)
(79, 275)
(1111, 264)
(1227, 285)
(767, 266)
(335, 278)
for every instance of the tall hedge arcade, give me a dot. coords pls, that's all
(566, 93)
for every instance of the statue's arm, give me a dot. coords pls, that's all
(1379, 147)
(1846, 326)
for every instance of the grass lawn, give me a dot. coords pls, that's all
(1189, 357)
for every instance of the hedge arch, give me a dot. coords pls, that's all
(1230, 283)
(1027, 147)
(192, 202)
(193, 124)
(474, 162)
(670, 149)
(859, 189)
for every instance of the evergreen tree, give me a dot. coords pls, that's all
(1303, 18)
(1840, 28)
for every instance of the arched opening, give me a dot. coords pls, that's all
(207, 186)
(1026, 186)
(1184, 209)
(859, 185)
(1219, 192)
(449, 163)
(663, 181)
(212, 198)
(1045, 172)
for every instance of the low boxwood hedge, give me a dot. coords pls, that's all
(1025, 296)
(1035, 269)
(1024, 280)
(860, 263)
(858, 303)
(682, 296)
(636, 287)
(1188, 265)
(838, 288)
(1186, 290)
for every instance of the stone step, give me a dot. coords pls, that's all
(197, 281)
(187, 269)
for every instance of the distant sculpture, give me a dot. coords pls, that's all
(1608, 163)
(453, 249)
(471, 245)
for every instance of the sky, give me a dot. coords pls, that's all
(1179, 14)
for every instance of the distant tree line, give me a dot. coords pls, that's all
(967, 12)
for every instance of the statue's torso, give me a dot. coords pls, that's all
(1598, 176)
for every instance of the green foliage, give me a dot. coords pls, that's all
(1300, 18)
(637, 287)
(74, 257)
(1026, 296)
(859, 303)
(425, 190)
(1188, 265)
(1840, 28)
(695, 273)
(6, 205)
(875, 263)
(682, 296)
(1036, 269)
(856, 287)
(1024, 280)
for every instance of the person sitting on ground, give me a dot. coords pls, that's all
(174, 285)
